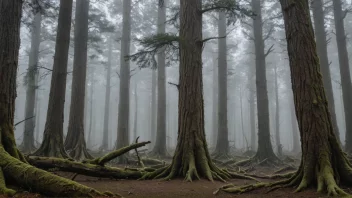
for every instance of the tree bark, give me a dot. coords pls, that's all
(105, 143)
(322, 158)
(191, 159)
(344, 71)
(252, 90)
(32, 85)
(160, 142)
(91, 101)
(265, 150)
(52, 145)
(75, 143)
(11, 168)
(222, 146)
(124, 105)
(321, 40)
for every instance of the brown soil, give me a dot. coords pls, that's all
(179, 188)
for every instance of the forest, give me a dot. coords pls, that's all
(175, 98)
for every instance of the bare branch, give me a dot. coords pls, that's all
(176, 85)
(271, 49)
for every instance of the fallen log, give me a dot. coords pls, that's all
(40, 181)
(114, 154)
(84, 168)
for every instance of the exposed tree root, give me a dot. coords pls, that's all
(3, 189)
(286, 168)
(84, 168)
(40, 181)
(112, 155)
(51, 149)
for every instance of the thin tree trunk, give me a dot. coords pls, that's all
(153, 116)
(160, 142)
(75, 142)
(265, 150)
(32, 84)
(222, 146)
(251, 84)
(37, 116)
(105, 143)
(344, 70)
(277, 116)
(242, 122)
(124, 105)
(321, 40)
(52, 145)
(215, 103)
(91, 101)
(135, 112)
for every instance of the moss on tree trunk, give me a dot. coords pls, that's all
(323, 162)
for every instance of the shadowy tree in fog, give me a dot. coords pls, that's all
(277, 114)
(124, 105)
(160, 140)
(153, 106)
(75, 143)
(105, 143)
(52, 144)
(222, 146)
(346, 83)
(265, 150)
(31, 80)
(322, 50)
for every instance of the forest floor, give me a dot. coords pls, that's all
(178, 188)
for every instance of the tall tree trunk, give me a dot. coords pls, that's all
(251, 87)
(277, 115)
(323, 162)
(32, 84)
(52, 144)
(222, 146)
(153, 115)
(191, 159)
(124, 105)
(215, 103)
(160, 142)
(37, 115)
(75, 143)
(91, 101)
(135, 112)
(344, 70)
(265, 150)
(322, 49)
(11, 167)
(105, 143)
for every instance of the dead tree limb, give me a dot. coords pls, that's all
(112, 155)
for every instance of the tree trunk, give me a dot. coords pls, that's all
(75, 143)
(153, 115)
(215, 103)
(32, 85)
(91, 119)
(320, 33)
(265, 150)
(52, 145)
(323, 161)
(124, 105)
(277, 116)
(160, 142)
(222, 146)
(37, 116)
(105, 143)
(11, 168)
(344, 71)
(251, 87)
(135, 112)
(191, 159)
